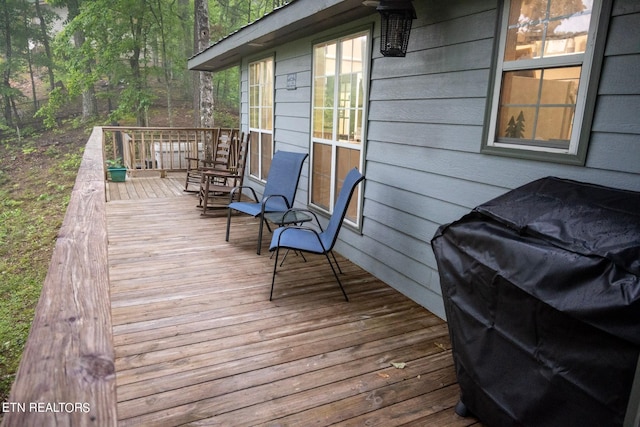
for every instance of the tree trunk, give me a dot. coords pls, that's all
(134, 62)
(6, 74)
(47, 47)
(34, 94)
(202, 40)
(89, 100)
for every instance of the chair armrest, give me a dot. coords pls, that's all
(307, 211)
(220, 173)
(212, 162)
(266, 199)
(253, 192)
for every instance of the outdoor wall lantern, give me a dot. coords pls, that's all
(396, 17)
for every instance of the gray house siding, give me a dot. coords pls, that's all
(426, 117)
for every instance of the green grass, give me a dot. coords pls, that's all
(36, 179)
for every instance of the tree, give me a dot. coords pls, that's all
(89, 100)
(12, 36)
(44, 39)
(119, 46)
(205, 87)
(112, 49)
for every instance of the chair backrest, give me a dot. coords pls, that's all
(282, 179)
(240, 156)
(330, 234)
(222, 156)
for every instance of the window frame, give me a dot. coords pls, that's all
(257, 133)
(591, 64)
(335, 142)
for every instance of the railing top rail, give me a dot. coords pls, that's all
(163, 128)
(67, 372)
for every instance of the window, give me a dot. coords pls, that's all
(540, 99)
(260, 117)
(339, 91)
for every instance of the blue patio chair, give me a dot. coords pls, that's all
(305, 239)
(279, 192)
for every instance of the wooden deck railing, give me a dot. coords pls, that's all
(66, 375)
(161, 149)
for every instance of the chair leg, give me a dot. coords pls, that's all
(336, 261)
(228, 223)
(273, 278)
(336, 276)
(295, 252)
(262, 221)
(204, 198)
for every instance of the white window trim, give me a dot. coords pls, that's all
(260, 131)
(590, 62)
(334, 142)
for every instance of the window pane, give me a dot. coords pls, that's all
(320, 92)
(538, 104)
(350, 91)
(560, 85)
(325, 59)
(254, 115)
(317, 123)
(267, 119)
(253, 70)
(323, 108)
(544, 28)
(321, 175)
(338, 98)
(554, 125)
(261, 116)
(516, 122)
(266, 144)
(254, 152)
(347, 159)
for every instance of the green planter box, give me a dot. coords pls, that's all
(118, 174)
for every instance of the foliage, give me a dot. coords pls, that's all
(114, 163)
(137, 42)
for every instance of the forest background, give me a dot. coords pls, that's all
(67, 65)
(114, 56)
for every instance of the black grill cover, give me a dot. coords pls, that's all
(542, 295)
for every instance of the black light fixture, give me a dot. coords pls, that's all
(396, 17)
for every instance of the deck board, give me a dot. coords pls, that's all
(198, 342)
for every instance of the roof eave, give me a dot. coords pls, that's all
(303, 17)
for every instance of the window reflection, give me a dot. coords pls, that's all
(547, 28)
(539, 104)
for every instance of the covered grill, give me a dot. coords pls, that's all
(542, 296)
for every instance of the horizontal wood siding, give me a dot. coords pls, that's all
(425, 126)
(615, 140)
(426, 117)
(292, 108)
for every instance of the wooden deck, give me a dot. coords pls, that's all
(197, 341)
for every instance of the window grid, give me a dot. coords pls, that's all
(546, 52)
(261, 117)
(339, 89)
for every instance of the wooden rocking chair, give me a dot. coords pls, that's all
(216, 184)
(217, 158)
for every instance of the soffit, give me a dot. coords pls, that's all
(298, 19)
